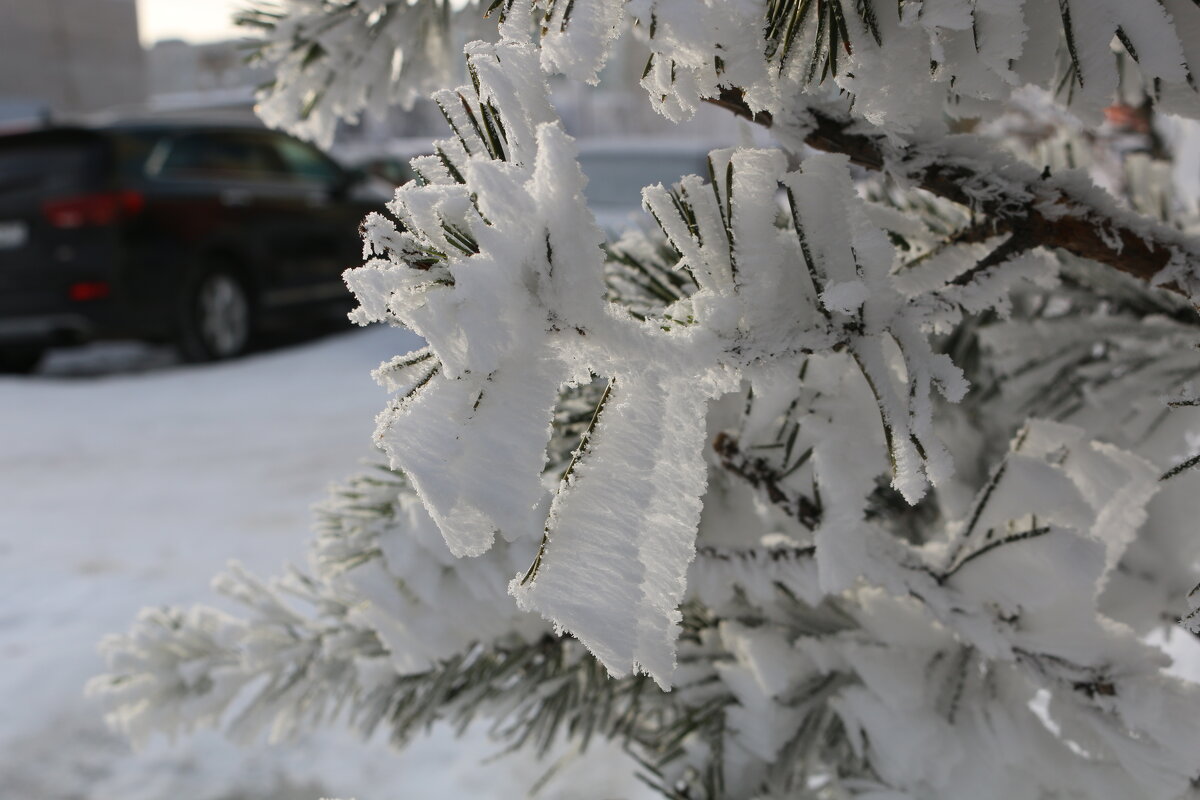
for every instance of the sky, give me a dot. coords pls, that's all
(191, 20)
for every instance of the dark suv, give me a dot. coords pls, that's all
(196, 235)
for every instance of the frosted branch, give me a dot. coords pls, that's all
(1040, 210)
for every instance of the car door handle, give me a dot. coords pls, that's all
(236, 197)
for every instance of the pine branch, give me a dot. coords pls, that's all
(761, 474)
(1038, 213)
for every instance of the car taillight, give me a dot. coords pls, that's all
(88, 210)
(92, 290)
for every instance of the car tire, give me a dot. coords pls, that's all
(217, 319)
(20, 362)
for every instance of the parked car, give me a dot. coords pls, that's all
(166, 232)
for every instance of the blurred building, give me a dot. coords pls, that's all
(176, 67)
(211, 80)
(70, 56)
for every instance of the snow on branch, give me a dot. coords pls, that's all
(396, 51)
(1035, 210)
(500, 267)
(1026, 563)
(386, 612)
(843, 298)
(335, 59)
(906, 64)
(495, 259)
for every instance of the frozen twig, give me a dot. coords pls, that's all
(1039, 210)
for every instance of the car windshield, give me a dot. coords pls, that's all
(616, 178)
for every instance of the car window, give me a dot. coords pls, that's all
(133, 150)
(235, 155)
(45, 164)
(305, 162)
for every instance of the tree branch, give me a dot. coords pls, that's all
(1038, 211)
(760, 474)
(1016, 243)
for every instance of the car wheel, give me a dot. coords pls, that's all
(217, 317)
(20, 362)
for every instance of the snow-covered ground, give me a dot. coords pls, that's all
(127, 480)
